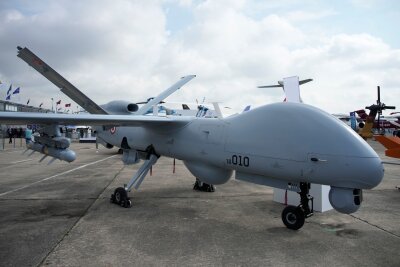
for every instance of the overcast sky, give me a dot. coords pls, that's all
(133, 50)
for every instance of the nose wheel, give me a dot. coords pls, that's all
(294, 217)
(120, 197)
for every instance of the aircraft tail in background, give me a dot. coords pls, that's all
(392, 143)
(362, 114)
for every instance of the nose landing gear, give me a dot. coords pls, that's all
(120, 196)
(294, 217)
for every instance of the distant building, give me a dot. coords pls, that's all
(16, 107)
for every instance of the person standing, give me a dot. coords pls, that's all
(28, 135)
(10, 135)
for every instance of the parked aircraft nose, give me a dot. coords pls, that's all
(373, 172)
(299, 139)
(344, 158)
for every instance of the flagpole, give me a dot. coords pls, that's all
(52, 107)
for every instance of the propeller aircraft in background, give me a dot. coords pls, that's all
(374, 110)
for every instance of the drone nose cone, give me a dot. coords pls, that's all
(373, 172)
(338, 153)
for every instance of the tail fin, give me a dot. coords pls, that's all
(362, 114)
(291, 88)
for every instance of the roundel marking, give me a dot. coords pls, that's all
(113, 130)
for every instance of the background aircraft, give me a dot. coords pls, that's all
(392, 144)
(375, 109)
(254, 144)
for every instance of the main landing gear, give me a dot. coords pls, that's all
(293, 217)
(120, 196)
(200, 186)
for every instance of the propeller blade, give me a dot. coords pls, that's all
(269, 86)
(379, 95)
(305, 81)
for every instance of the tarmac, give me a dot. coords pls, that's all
(60, 215)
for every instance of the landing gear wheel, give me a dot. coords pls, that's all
(120, 197)
(200, 186)
(293, 217)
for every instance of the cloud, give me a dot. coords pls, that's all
(122, 49)
(95, 44)
(302, 15)
(233, 53)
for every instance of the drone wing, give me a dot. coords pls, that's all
(66, 87)
(91, 119)
(144, 109)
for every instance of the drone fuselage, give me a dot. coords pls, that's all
(304, 145)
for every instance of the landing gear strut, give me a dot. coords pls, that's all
(120, 196)
(200, 186)
(294, 217)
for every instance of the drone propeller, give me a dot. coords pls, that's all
(378, 102)
(378, 108)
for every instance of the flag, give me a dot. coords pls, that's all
(8, 97)
(16, 91)
(58, 102)
(9, 89)
(40, 105)
(67, 105)
(28, 101)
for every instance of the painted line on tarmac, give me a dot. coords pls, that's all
(54, 176)
(392, 163)
(12, 150)
(20, 161)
